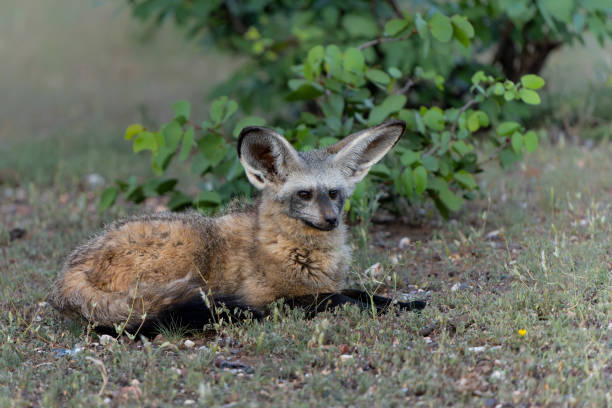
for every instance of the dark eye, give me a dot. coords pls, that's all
(304, 194)
(333, 194)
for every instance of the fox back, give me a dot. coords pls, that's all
(290, 243)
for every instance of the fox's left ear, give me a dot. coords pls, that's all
(357, 153)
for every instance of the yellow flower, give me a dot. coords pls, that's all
(522, 332)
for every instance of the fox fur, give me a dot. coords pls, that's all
(290, 244)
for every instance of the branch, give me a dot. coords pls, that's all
(406, 87)
(461, 111)
(381, 40)
(395, 8)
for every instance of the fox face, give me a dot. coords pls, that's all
(313, 186)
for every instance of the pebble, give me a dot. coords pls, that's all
(189, 344)
(105, 340)
(404, 243)
(94, 181)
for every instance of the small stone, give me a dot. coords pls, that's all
(105, 340)
(94, 181)
(345, 357)
(189, 344)
(373, 270)
(497, 375)
(189, 402)
(493, 234)
(477, 349)
(404, 243)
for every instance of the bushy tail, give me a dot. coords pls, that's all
(144, 309)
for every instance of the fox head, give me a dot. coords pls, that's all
(313, 186)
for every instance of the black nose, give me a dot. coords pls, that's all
(332, 221)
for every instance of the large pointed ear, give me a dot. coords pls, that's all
(267, 157)
(357, 153)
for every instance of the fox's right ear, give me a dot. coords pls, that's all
(267, 157)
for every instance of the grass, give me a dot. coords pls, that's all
(531, 256)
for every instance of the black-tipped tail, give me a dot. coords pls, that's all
(193, 314)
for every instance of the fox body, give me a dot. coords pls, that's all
(290, 244)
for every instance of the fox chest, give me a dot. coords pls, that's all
(299, 270)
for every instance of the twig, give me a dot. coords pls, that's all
(406, 87)
(381, 40)
(100, 364)
(395, 8)
(461, 111)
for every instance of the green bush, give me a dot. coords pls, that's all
(345, 65)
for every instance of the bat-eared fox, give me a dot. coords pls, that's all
(147, 271)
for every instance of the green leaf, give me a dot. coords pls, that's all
(462, 29)
(359, 25)
(465, 179)
(213, 148)
(420, 179)
(529, 96)
(434, 118)
(162, 158)
(507, 157)
(499, 89)
(381, 171)
(144, 141)
(231, 108)
(460, 147)
(391, 104)
(532, 81)
(407, 181)
(531, 141)
(182, 109)
(187, 144)
(313, 61)
(216, 109)
(172, 135)
(155, 187)
(430, 163)
(409, 157)
(396, 26)
(133, 130)
(507, 128)
(394, 72)
(179, 201)
(376, 75)
(473, 123)
(421, 26)
(441, 27)
(451, 200)
(207, 198)
(247, 121)
(327, 141)
(353, 60)
(517, 142)
(483, 119)
(560, 9)
(199, 165)
(108, 197)
(305, 90)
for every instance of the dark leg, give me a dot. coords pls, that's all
(382, 303)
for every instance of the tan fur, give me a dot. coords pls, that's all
(144, 264)
(284, 246)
